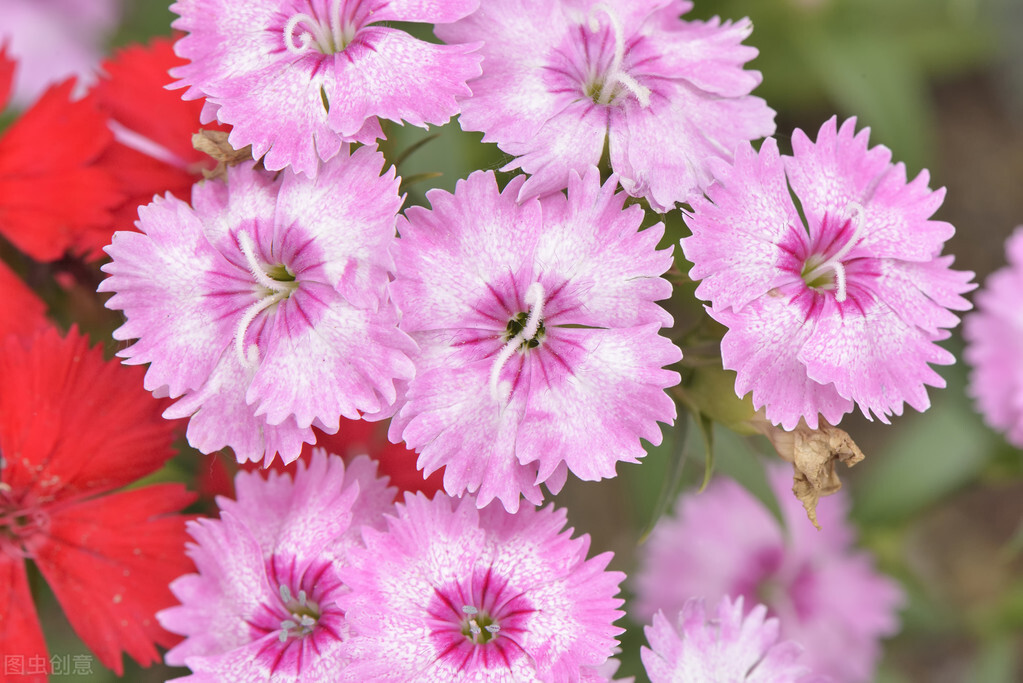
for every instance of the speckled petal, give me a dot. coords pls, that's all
(163, 279)
(762, 346)
(736, 232)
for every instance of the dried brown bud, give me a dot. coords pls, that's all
(813, 454)
(215, 144)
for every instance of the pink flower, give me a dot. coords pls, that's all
(452, 593)
(725, 648)
(538, 327)
(844, 309)
(994, 349)
(827, 595)
(298, 78)
(263, 305)
(264, 603)
(563, 77)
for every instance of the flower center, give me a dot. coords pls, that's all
(607, 86)
(522, 333)
(479, 626)
(304, 32)
(823, 272)
(277, 282)
(18, 524)
(304, 612)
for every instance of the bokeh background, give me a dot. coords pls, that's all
(939, 498)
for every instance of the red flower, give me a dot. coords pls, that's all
(73, 428)
(51, 193)
(153, 128)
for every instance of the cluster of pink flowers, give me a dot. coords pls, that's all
(321, 577)
(511, 332)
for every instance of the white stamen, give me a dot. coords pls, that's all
(615, 74)
(839, 281)
(312, 33)
(248, 247)
(493, 628)
(835, 262)
(285, 594)
(329, 37)
(469, 609)
(534, 299)
(500, 391)
(250, 358)
(336, 27)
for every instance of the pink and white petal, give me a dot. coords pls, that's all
(571, 140)
(236, 42)
(390, 74)
(220, 417)
(674, 168)
(611, 271)
(994, 350)
(349, 211)
(734, 246)
(279, 110)
(324, 358)
(519, 36)
(311, 515)
(229, 590)
(180, 296)
(448, 256)
(592, 395)
(451, 420)
(245, 202)
(922, 293)
(708, 55)
(872, 355)
(762, 345)
(838, 174)
(425, 11)
(266, 659)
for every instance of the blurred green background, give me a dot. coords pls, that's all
(939, 498)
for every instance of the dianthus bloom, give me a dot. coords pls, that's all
(563, 77)
(264, 605)
(725, 648)
(452, 593)
(827, 596)
(263, 305)
(299, 78)
(73, 430)
(994, 349)
(840, 311)
(538, 325)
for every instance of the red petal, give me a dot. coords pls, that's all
(109, 562)
(133, 90)
(72, 423)
(20, 635)
(49, 193)
(23, 312)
